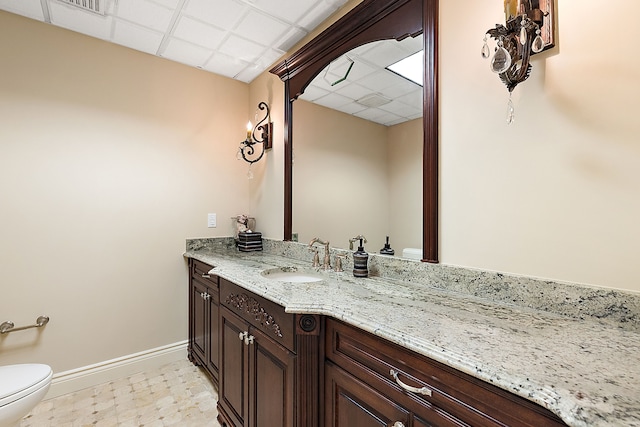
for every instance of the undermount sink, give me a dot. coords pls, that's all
(292, 274)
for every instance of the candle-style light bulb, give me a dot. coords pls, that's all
(249, 129)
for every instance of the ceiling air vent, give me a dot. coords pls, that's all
(95, 6)
(373, 100)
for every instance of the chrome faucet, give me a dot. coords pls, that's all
(326, 262)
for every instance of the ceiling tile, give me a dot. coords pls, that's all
(260, 28)
(196, 32)
(351, 108)
(413, 99)
(311, 93)
(221, 13)
(401, 109)
(379, 80)
(290, 38)
(315, 16)
(187, 53)
(286, 10)
(401, 87)
(225, 65)
(352, 90)
(269, 58)
(333, 100)
(135, 37)
(238, 47)
(145, 13)
(171, 4)
(29, 8)
(372, 114)
(384, 54)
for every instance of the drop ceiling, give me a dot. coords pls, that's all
(239, 39)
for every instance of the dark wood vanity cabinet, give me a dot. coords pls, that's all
(204, 318)
(258, 361)
(370, 382)
(273, 368)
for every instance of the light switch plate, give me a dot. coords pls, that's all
(211, 220)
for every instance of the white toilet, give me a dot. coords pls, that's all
(22, 387)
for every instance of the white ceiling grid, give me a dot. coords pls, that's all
(241, 39)
(236, 38)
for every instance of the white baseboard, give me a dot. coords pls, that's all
(109, 370)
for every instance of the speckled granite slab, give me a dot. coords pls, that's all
(581, 363)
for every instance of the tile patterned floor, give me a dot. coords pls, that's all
(178, 394)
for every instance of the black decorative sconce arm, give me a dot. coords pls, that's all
(261, 134)
(527, 32)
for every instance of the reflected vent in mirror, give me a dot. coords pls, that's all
(373, 100)
(95, 6)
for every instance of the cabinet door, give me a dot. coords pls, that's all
(351, 403)
(213, 353)
(199, 320)
(271, 387)
(234, 364)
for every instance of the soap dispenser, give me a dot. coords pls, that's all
(360, 258)
(387, 250)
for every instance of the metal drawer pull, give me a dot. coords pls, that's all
(398, 424)
(422, 390)
(248, 339)
(206, 276)
(243, 335)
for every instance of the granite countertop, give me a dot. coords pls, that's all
(584, 370)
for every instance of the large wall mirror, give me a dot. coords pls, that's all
(365, 156)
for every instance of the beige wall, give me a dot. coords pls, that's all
(109, 159)
(554, 195)
(340, 177)
(404, 154)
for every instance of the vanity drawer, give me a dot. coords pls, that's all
(469, 399)
(259, 312)
(200, 272)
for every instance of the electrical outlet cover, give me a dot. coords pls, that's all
(211, 220)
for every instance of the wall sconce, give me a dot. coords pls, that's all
(528, 30)
(260, 134)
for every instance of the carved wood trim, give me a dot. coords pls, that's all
(243, 302)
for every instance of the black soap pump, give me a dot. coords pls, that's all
(360, 258)
(387, 250)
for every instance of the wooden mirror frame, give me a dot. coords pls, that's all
(371, 20)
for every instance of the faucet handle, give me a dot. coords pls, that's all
(316, 258)
(355, 239)
(338, 267)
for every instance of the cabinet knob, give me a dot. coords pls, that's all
(243, 335)
(249, 339)
(422, 390)
(398, 424)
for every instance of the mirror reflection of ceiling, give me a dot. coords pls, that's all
(370, 91)
(234, 38)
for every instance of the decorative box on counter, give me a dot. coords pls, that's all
(249, 241)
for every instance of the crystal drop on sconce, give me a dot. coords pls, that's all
(501, 60)
(485, 52)
(511, 111)
(538, 43)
